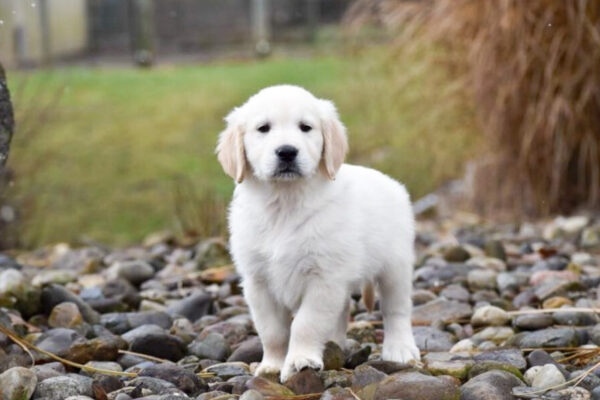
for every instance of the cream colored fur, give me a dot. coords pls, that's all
(304, 241)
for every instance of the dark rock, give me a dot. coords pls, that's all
(53, 295)
(590, 382)
(495, 248)
(213, 347)
(135, 271)
(551, 337)
(305, 382)
(154, 385)
(574, 318)
(358, 357)
(103, 348)
(213, 394)
(456, 292)
(159, 345)
(233, 332)
(365, 375)
(415, 386)
(229, 369)
(267, 387)
(333, 356)
(58, 341)
(431, 339)
(142, 331)
(441, 310)
(532, 322)
(49, 370)
(104, 384)
(248, 351)
(388, 367)
(491, 385)
(158, 318)
(513, 357)
(122, 291)
(525, 298)
(456, 254)
(193, 307)
(338, 393)
(183, 379)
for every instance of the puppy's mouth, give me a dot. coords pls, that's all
(287, 171)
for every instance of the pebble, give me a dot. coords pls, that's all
(61, 387)
(482, 279)
(545, 376)
(432, 339)
(193, 307)
(441, 310)
(415, 386)
(17, 383)
(168, 301)
(182, 378)
(229, 369)
(491, 385)
(267, 387)
(305, 382)
(65, 315)
(333, 356)
(213, 347)
(532, 322)
(490, 315)
(550, 337)
(135, 272)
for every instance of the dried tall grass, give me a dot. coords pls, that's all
(532, 70)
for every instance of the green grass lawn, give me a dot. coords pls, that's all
(125, 152)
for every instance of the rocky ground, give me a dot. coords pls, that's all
(166, 320)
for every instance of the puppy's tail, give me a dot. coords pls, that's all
(368, 296)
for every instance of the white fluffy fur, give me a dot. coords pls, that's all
(303, 244)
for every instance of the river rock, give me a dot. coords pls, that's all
(17, 383)
(491, 385)
(415, 386)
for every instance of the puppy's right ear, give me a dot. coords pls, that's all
(230, 149)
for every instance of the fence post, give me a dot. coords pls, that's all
(261, 31)
(312, 18)
(142, 32)
(7, 121)
(45, 33)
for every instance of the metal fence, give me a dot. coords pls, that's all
(185, 26)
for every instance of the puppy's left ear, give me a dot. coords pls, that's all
(335, 141)
(230, 149)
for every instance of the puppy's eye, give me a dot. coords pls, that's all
(264, 128)
(304, 127)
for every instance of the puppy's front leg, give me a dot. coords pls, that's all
(314, 324)
(272, 322)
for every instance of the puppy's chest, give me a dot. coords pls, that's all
(292, 255)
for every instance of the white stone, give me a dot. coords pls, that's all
(490, 315)
(544, 376)
(465, 345)
(17, 383)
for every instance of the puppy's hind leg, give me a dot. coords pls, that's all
(342, 326)
(272, 322)
(395, 284)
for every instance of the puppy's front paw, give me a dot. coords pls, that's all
(405, 353)
(296, 364)
(267, 368)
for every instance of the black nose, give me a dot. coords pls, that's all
(286, 152)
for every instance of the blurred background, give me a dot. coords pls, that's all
(488, 106)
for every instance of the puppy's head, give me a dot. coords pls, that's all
(282, 133)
